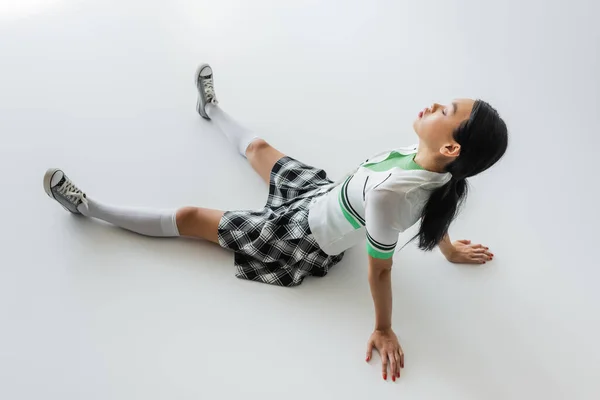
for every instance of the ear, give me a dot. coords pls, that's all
(451, 150)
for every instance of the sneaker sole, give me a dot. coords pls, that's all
(48, 185)
(199, 109)
(48, 181)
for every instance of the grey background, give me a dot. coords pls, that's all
(104, 90)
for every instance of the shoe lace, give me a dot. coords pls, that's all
(72, 192)
(209, 89)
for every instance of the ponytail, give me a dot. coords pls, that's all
(440, 210)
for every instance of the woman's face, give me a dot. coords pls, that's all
(435, 125)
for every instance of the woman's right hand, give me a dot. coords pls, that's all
(464, 252)
(386, 343)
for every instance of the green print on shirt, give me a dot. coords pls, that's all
(351, 215)
(394, 160)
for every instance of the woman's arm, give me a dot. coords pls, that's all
(384, 219)
(446, 246)
(380, 280)
(383, 337)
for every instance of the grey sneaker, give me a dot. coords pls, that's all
(206, 89)
(63, 190)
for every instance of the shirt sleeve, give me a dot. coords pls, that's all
(387, 214)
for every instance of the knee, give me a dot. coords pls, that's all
(256, 147)
(185, 216)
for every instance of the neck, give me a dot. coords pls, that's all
(427, 160)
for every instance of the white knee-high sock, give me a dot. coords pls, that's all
(239, 136)
(159, 223)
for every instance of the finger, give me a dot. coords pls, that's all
(369, 351)
(479, 251)
(401, 358)
(477, 246)
(399, 362)
(479, 258)
(384, 365)
(483, 252)
(392, 357)
(464, 241)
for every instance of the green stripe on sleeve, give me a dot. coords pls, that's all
(380, 246)
(379, 250)
(373, 252)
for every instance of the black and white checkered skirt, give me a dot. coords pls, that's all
(275, 245)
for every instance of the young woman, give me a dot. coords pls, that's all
(309, 221)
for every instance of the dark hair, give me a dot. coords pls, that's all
(483, 139)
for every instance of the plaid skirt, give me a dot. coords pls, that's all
(274, 245)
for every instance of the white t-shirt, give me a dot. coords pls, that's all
(382, 198)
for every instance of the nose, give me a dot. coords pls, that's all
(434, 107)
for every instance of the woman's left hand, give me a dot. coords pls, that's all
(466, 253)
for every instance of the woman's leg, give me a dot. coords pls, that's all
(201, 223)
(261, 156)
(195, 222)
